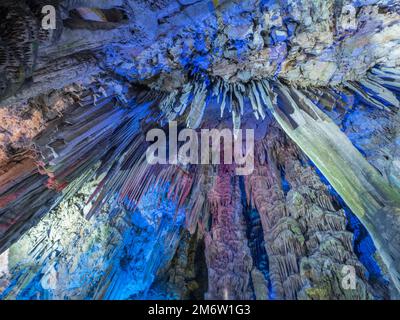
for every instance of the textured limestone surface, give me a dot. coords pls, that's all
(83, 215)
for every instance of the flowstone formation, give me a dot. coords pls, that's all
(85, 215)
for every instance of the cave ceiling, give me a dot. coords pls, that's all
(83, 215)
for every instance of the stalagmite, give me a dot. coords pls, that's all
(375, 202)
(227, 254)
(289, 237)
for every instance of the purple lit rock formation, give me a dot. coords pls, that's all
(83, 215)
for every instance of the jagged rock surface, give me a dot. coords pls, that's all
(81, 211)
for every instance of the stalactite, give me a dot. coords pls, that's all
(198, 105)
(131, 177)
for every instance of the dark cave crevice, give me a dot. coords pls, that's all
(255, 236)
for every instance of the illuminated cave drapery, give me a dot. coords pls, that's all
(84, 216)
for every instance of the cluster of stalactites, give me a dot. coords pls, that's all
(108, 142)
(264, 95)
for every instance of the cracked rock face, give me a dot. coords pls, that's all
(84, 215)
